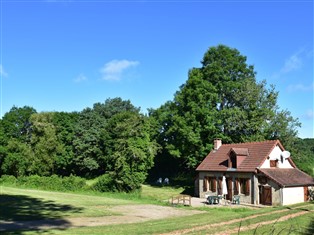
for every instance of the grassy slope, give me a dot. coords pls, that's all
(36, 204)
(39, 202)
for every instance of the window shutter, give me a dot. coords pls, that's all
(236, 187)
(247, 187)
(214, 184)
(219, 186)
(205, 184)
(273, 163)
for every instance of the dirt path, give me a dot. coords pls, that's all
(244, 228)
(129, 214)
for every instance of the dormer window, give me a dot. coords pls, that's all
(236, 156)
(233, 160)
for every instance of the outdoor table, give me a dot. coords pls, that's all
(214, 199)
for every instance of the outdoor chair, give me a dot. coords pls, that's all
(236, 199)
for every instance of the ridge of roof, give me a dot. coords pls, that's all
(253, 142)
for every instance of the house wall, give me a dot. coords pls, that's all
(276, 154)
(250, 199)
(292, 195)
(276, 193)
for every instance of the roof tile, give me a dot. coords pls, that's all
(288, 177)
(217, 160)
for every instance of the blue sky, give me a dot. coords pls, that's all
(68, 55)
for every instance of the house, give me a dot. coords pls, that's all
(260, 172)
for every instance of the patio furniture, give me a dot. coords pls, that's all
(214, 199)
(236, 199)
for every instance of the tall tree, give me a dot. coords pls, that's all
(16, 124)
(129, 150)
(88, 147)
(15, 127)
(65, 124)
(222, 99)
(45, 144)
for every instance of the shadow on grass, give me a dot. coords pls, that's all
(19, 212)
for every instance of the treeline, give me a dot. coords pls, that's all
(221, 99)
(111, 138)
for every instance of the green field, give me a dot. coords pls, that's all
(26, 205)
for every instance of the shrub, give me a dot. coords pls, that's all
(8, 180)
(54, 182)
(105, 183)
(73, 183)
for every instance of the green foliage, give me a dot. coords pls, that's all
(222, 99)
(18, 159)
(104, 183)
(129, 150)
(15, 124)
(45, 144)
(65, 130)
(54, 182)
(302, 153)
(8, 180)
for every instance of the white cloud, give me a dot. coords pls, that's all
(3, 73)
(80, 78)
(301, 87)
(292, 63)
(113, 70)
(309, 114)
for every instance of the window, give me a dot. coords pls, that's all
(233, 160)
(209, 184)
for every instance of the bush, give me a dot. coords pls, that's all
(105, 183)
(8, 180)
(54, 182)
(73, 183)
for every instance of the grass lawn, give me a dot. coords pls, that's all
(25, 204)
(30, 204)
(303, 224)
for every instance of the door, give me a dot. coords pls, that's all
(306, 194)
(265, 195)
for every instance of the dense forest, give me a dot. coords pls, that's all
(221, 99)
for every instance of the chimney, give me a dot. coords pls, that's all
(217, 144)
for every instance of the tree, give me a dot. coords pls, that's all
(89, 156)
(86, 142)
(16, 124)
(45, 144)
(129, 150)
(222, 99)
(18, 160)
(302, 153)
(65, 124)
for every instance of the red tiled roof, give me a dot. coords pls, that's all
(217, 160)
(288, 177)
